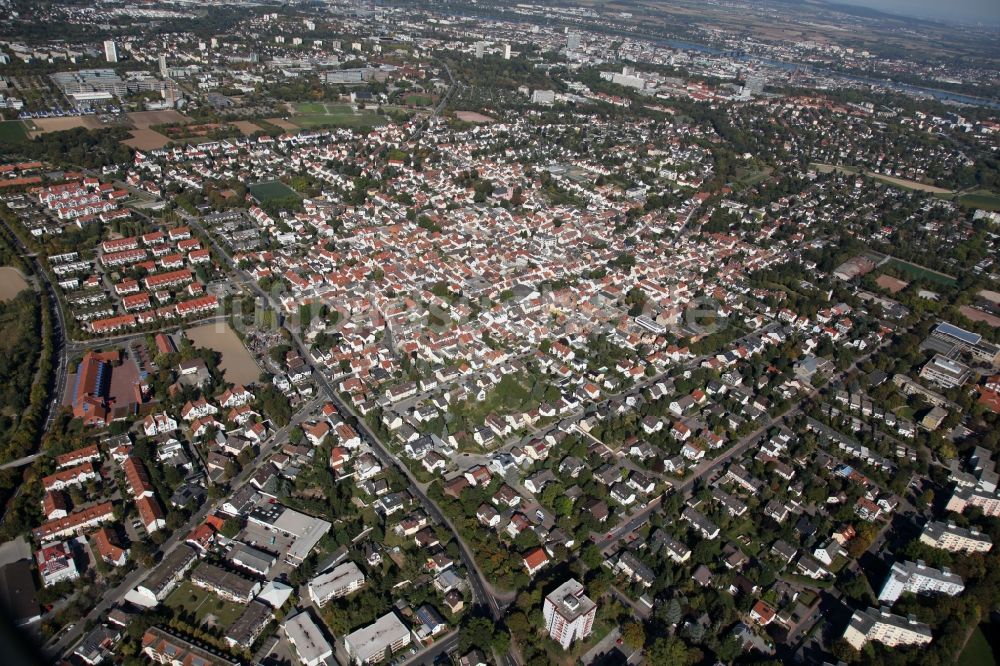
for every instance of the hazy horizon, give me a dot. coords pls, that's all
(985, 11)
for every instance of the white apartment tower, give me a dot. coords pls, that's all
(947, 536)
(919, 578)
(881, 626)
(569, 613)
(110, 51)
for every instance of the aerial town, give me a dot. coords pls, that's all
(510, 334)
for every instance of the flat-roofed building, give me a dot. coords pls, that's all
(963, 498)
(339, 582)
(370, 644)
(883, 627)
(310, 644)
(569, 613)
(306, 530)
(967, 341)
(918, 578)
(945, 372)
(248, 626)
(952, 538)
(252, 559)
(226, 584)
(168, 573)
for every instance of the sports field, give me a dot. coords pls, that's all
(919, 272)
(327, 114)
(273, 189)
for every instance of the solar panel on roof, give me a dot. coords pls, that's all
(968, 337)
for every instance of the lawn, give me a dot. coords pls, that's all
(750, 177)
(193, 599)
(271, 190)
(985, 200)
(13, 131)
(921, 273)
(977, 651)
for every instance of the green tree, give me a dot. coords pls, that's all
(671, 651)
(634, 634)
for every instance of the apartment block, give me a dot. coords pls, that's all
(881, 626)
(569, 614)
(918, 578)
(952, 538)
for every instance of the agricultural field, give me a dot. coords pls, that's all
(146, 139)
(246, 127)
(67, 123)
(13, 131)
(146, 119)
(279, 123)
(324, 114)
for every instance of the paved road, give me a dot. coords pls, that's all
(427, 656)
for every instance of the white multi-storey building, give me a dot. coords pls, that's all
(919, 578)
(368, 645)
(884, 627)
(339, 582)
(569, 613)
(952, 538)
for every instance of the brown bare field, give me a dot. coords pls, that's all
(66, 123)
(975, 314)
(283, 124)
(146, 119)
(237, 365)
(12, 283)
(473, 117)
(245, 126)
(146, 139)
(891, 284)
